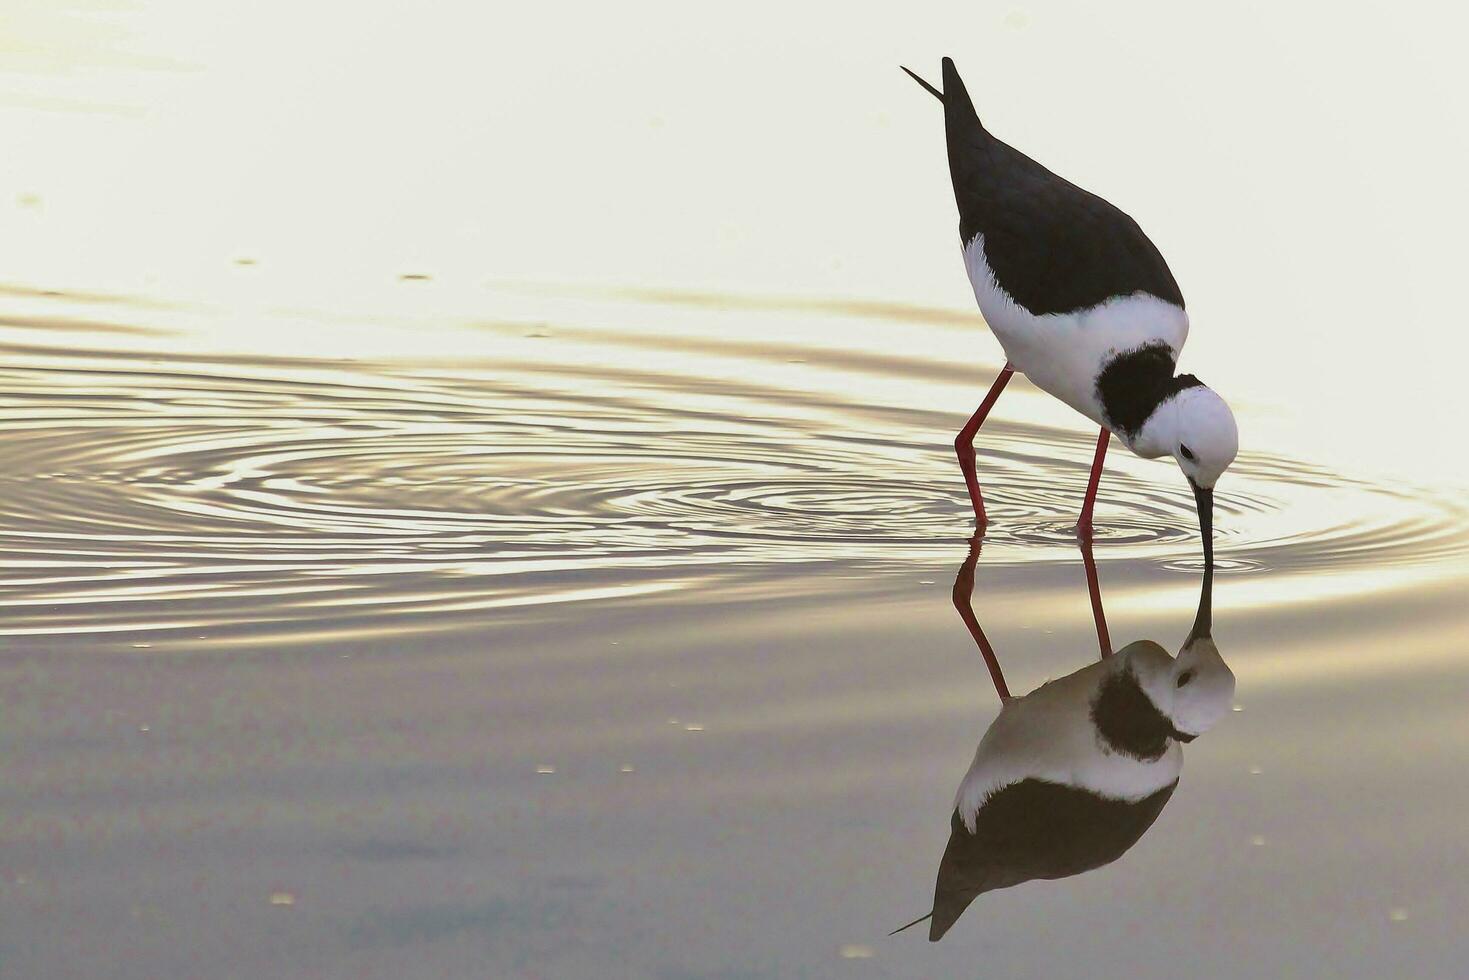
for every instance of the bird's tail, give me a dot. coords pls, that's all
(959, 114)
(937, 95)
(929, 915)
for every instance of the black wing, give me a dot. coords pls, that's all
(1053, 247)
(1035, 829)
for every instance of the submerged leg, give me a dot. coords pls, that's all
(964, 441)
(1094, 588)
(964, 603)
(1084, 523)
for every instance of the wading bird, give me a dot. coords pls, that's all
(1070, 776)
(1084, 306)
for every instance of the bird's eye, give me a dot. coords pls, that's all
(1185, 677)
(1187, 453)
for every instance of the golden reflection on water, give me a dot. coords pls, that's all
(277, 490)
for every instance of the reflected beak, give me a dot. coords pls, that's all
(1204, 620)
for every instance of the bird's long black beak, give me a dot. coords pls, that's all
(1204, 620)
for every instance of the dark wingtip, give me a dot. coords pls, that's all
(931, 90)
(910, 925)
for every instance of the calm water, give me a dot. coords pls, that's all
(615, 637)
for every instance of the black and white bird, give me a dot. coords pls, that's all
(1070, 776)
(1083, 305)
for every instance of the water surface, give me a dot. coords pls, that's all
(515, 629)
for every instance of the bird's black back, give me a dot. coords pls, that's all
(1035, 829)
(1053, 247)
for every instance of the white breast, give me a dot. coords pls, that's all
(1062, 353)
(1048, 734)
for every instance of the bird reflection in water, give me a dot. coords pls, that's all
(1068, 777)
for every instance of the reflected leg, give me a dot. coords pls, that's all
(1094, 588)
(964, 442)
(963, 602)
(1084, 523)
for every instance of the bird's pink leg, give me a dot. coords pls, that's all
(1084, 523)
(1094, 588)
(964, 442)
(964, 603)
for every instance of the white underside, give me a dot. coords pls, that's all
(1062, 353)
(1049, 735)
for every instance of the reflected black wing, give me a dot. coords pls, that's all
(1053, 247)
(1035, 829)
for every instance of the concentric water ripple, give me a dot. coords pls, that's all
(260, 494)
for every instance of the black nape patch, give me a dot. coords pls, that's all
(1127, 719)
(1134, 383)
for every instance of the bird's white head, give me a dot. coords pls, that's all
(1195, 427)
